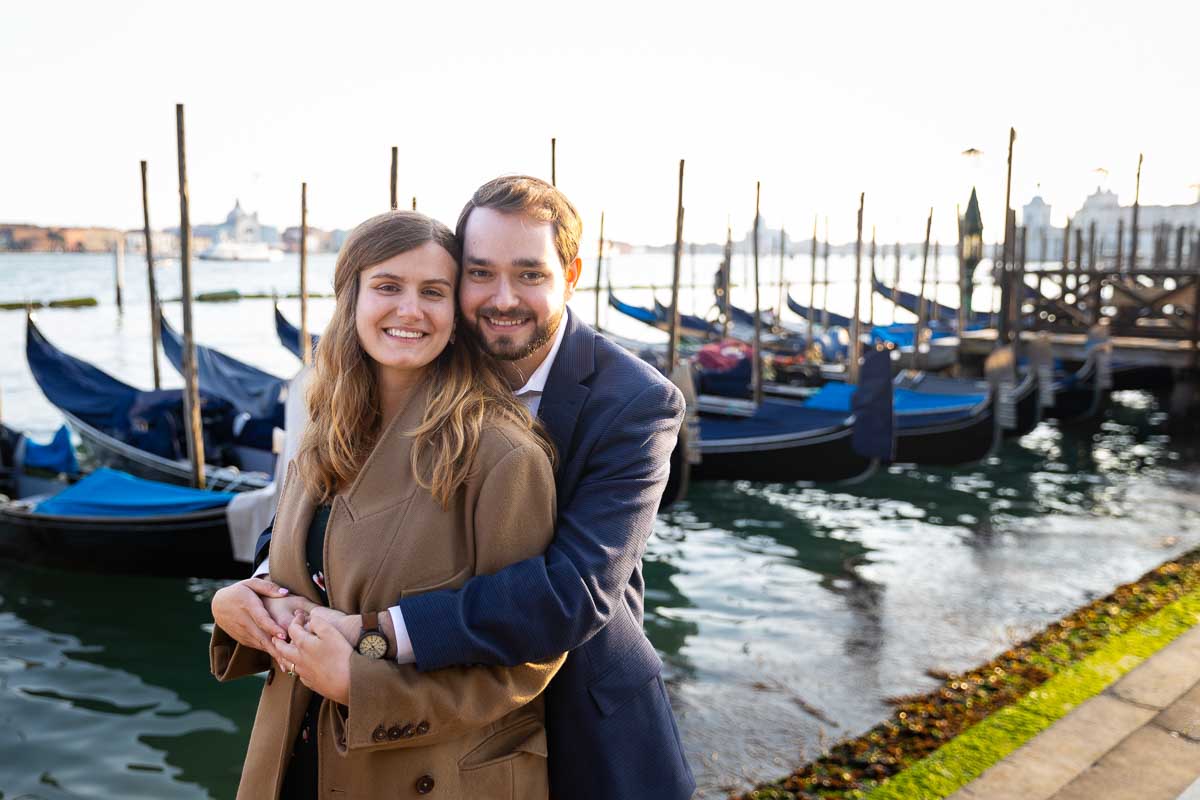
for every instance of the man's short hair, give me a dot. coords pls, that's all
(533, 197)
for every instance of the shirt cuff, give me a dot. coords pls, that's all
(404, 648)
(264, 569)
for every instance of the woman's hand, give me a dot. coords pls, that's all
(284, 609)
(320, 655)
(239, 610)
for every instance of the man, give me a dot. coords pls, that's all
(614, 422)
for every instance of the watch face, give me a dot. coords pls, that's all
(372, 645)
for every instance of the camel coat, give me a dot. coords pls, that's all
(463, 732)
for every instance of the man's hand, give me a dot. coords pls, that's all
(319, 655)
(284, 609)
(239, 610)
(348, 625)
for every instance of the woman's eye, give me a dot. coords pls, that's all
(436, 293)
(387, 287)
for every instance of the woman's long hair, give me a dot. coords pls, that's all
(466, 388)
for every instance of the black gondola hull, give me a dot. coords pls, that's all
(961, 441)
(821, 457)
(185, 545)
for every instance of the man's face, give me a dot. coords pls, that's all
(514, 289)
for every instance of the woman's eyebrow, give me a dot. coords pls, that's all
(447, 283)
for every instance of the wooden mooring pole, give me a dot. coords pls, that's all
(305, 340)
(756, 373)
(673, 343)
(896, 285)
(855, 325)
(191, 393)
(1120, 243)
(782, 285)
(1137, 201)
(119, 270)
(825, 281)
(599, 264)
(152, 285)
(922, 307)
(395, 200)
(871, 293)
(812, 288)
(554, 166)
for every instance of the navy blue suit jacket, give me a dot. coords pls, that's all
(612, 735)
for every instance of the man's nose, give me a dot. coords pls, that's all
(505, 298)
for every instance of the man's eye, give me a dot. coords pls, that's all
(478, 273)
(533, 277)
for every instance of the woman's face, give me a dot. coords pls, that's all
(406, 308)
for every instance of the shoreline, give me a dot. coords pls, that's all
(903, 749)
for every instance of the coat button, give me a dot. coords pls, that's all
(422, 728)
(425, 784)
(394, 732)
(379, 734)
(407, 731)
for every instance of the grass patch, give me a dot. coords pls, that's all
(965, 758)
(923, 724)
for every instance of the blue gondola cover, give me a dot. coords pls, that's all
(111, 493)
(57, 456)
(251, 390)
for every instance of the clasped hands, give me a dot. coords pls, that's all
(306, 640)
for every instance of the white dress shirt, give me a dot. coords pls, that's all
(531, 395)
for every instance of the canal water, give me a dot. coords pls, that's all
(786, 614)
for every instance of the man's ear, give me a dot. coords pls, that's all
(572, 272)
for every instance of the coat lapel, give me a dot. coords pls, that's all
(565, 392)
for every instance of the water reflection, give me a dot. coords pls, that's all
(105, 691)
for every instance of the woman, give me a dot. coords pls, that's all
(417, 470)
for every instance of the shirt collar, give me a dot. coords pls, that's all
(537, 381)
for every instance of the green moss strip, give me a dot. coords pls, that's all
(965, 758)
(922, 724)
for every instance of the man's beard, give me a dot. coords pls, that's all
(504, 348)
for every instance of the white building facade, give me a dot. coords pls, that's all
(1102, 209)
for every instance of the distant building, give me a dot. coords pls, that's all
(165, 243)
(1045, 243)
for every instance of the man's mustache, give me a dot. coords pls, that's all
(519, 315)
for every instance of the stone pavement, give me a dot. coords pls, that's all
(1140, 738)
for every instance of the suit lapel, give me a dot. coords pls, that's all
(565, 392)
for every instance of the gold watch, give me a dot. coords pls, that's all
(371, 641)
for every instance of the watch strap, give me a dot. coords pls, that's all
(370, 621)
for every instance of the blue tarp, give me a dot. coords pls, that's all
(902, 334)
(839, 397)
(58, 456)
(251, 390)
(110, 493)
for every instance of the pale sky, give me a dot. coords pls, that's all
(818, 101)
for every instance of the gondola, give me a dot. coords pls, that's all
(142, 432)
(690, 325)
(786, 441)
(936, 311)
(107, 521)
